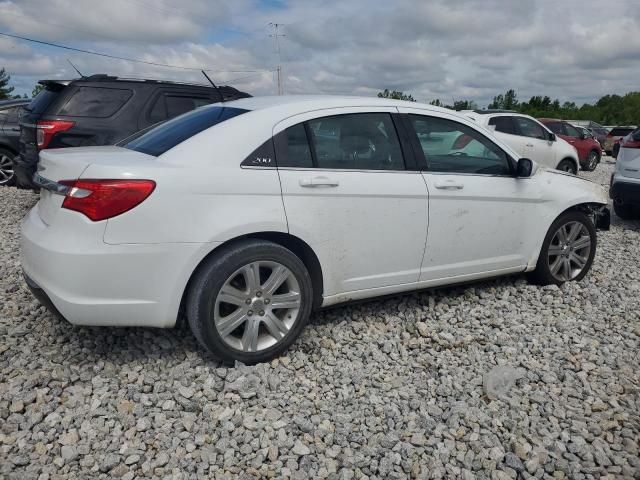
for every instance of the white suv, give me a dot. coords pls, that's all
(247, 215)
(528, 137)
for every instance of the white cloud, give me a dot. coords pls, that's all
(443, 49)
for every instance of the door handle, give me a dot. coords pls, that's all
(318, 182)
(449, 185)
(529, 145)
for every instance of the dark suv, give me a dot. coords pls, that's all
(102, 110)
(9, 136)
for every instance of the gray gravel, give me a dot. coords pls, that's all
(386, 389)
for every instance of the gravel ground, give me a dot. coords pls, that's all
(386, 389)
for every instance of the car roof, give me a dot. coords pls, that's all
(544, 119)
(10, 103)
(491, 110)
(111, 78)
(294, 104)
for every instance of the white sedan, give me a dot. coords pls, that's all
(248, 215)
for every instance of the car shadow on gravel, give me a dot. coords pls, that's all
(118, 345)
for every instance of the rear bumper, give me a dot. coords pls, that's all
(88, 282)
(625, 191)
(41, 295)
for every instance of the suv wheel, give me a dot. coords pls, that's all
(7, 177)
(568, 250)
(249, 302)
(592, 161)
(567, 165)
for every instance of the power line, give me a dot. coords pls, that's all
(126, 59)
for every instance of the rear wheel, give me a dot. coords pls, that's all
(616, 150)
(250, 301)
(7, 176)
(626, 211)
(592, 161)
(567, 165)
(568, 250)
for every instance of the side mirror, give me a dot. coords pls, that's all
(583, 136)
(552, 137)
(525, 168)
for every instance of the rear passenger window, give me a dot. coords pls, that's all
(503, 124)
(96, 102)
(361, 141)
(169, 106)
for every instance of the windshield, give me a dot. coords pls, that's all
(167, 135)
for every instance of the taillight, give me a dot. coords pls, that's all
(103, 199)
(46, 129)
(630, 143)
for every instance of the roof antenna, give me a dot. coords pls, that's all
(74, 67)
(214, 86)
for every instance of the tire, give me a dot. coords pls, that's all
(626, 211)
(7, 175)
(256, 330)
(548, 271)
(593, 159)
(616, 150)
(567, 165)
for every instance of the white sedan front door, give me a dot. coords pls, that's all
(479, 213)
(348, 193)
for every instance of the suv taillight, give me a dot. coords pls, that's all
(630, 143)
(46, 129)
(103, 199)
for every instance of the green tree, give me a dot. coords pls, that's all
(5, 89)
(508, 101)
(396, 95)
(36, 90)
(464, 105)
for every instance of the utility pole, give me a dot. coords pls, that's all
(276, 35)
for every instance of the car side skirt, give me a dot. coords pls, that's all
(407, 287)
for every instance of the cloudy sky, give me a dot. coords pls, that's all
(574, 50)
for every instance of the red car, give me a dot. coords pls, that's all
(589, 150)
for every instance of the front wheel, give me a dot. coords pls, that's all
(568, 250)
(249, 302)
(592, 161)
(568, 166)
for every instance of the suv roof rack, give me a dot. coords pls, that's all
(494, 110)
(102, 77)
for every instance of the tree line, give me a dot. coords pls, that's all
(608, 110)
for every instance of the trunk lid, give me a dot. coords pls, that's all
(70, 163)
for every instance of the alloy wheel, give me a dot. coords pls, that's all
(592, 161)
(6, 169)
(257, 306)
(569, 251)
